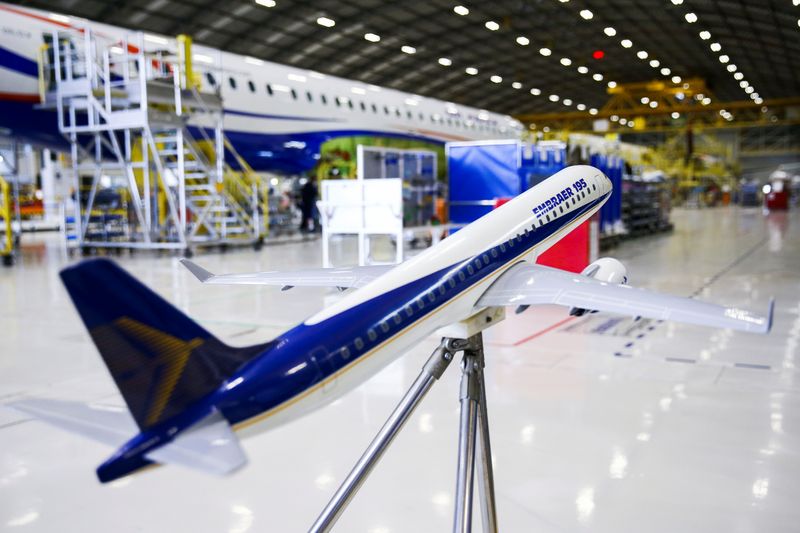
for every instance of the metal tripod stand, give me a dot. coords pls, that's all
(474, 421)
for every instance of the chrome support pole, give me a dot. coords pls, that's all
(474, 430)
(485, 468)
(469, 398)
(431, 372)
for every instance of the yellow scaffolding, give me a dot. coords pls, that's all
(7, 244)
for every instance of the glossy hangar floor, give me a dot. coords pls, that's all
(599, 423)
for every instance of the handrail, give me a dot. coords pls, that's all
(255, 186)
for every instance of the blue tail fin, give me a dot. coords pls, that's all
(161, 360)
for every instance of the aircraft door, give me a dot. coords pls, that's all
(323, 360)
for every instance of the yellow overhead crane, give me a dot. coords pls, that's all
(650, 106)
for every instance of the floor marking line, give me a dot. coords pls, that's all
(543, 331)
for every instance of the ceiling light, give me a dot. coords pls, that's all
(536, 92)
(586, 14)
(583, 70)
(545, 51)
(496, 79)
(567, 102)
(408, 49)
(676, 79)
(372, 37)
(705, 35)
(641, 54)
(754, 96)
(613, 118)
(566, 61)
(715, 47)
(610, 31)
(461, 10)
(645, 100)
(516, 85)
(266, 3)
(597, 77)
(523, 41)
(297, 77)
(253, 61)
(749, 90)
(724, 59)
(731, 68)
(655, 63)
(325, 21)
(593, 111)
(675, 114)
(553, 98)
(677, 2)
(653, 104)
(738, 76)
(744, 84)
(626, 43)
(759, 101)
(691, 18)
(706, 101)
(445, 61)
(612, 84)
(623, 121)
(581, 107)
(665, 71)
(471, 71)
(358, 90)
(492, 25)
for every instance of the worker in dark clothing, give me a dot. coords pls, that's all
(308, 206)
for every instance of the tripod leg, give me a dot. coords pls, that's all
(470, 395)
(485, 469)
(432, 371)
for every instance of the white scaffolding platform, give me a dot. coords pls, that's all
(126, 115)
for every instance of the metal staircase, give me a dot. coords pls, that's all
(138, 125)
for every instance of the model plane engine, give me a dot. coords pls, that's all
(605, 269)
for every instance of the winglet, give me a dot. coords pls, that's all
(199, 272)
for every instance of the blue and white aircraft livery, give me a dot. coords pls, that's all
(276, 116)
(188, 393)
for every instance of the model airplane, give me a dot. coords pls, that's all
(187, 392)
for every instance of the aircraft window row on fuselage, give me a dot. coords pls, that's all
(339, 101)
(439, 293)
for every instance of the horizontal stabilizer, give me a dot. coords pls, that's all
(108, 425)
(211, 446)
(340, 278)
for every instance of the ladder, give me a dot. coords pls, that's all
(129, 118)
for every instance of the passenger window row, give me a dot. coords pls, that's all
(435, 295)
(339, 101)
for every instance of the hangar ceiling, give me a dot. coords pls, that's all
(755, 42)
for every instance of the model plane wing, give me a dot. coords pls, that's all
(527, 284)
(210, 446)
(348, 277)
